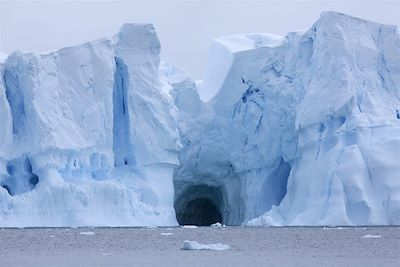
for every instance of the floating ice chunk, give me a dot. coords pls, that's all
(150, 227)
(217, 224)
(166, 234)
(193, 245)
(87, 233)
(372, 236)
(189, 226)
(107, 254)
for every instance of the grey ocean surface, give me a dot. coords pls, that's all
(274, 246)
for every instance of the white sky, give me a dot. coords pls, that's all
(185, 28)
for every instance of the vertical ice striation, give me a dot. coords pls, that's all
(5, 116)
(123, 152)
(152, 138)
(152, 127)
(6, 125)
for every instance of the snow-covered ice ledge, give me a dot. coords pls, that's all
(295, 130)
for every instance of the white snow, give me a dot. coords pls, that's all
(242, 42)
(193, 245)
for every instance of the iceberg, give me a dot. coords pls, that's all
(70, 155)
(302, 129)
(296, 130)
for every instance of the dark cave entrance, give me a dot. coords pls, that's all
(201, 212)
(199, 205)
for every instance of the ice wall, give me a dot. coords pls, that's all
(87, 137)
(5, 117)
(302, 129)
(296, 130)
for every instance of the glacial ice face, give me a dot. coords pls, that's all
(295, 130)
(90, 137)
(150, 113)
(5, 119)
(78, 102)
(346, 170)
(301, 130)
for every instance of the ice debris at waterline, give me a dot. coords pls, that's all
(193, 245)
(371, 236)
(296, 130)
(87, 233)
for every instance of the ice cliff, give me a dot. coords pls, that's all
(88, 137)
(296, 130)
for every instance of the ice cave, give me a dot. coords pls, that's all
(200, 205)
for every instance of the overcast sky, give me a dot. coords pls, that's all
(185, 28)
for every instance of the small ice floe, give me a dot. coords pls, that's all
(147, 228)
(108, 254)
(189, 226)
(360, 228)
(332, 228)
(166, 234)
(52, 236)
(371, 236)
(193, 245)
(87, 233)
(217, 224)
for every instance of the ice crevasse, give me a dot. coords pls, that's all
(302, 129)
